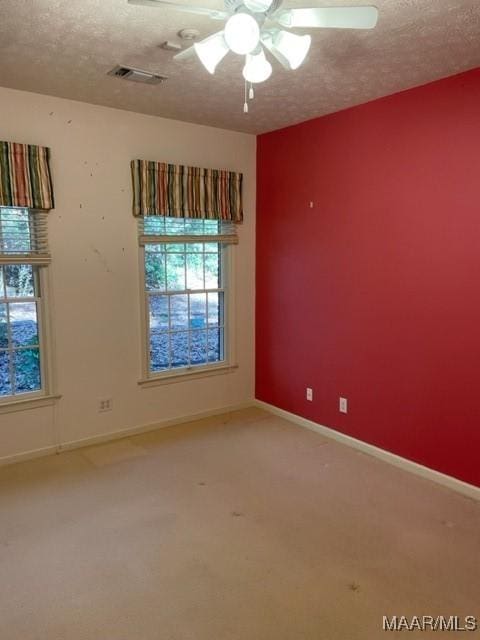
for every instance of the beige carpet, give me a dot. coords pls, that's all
(240, 527)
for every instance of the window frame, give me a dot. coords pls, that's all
(42, 280)
(228, 364)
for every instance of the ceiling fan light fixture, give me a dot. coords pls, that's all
(253, 27)
(257, 68)
(211, 51)
(289, 49)
(242, 33)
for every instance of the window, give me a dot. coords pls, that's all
(185, 265)
(23, 254)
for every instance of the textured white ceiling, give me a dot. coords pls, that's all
(66, 47)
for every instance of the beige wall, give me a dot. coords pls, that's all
(95, 280)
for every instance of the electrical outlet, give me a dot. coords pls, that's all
(343, 405)
(105, 404)
(309, 394)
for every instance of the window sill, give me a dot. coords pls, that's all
(186, 376)
(28, 403)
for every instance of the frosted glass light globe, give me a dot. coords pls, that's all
(211, 51)
(292, 47)
(242, 33)
(257, 68)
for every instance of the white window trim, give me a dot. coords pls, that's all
(46, 395)
(30, 402)
(151, 379)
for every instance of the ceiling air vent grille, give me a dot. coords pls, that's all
(136, 75)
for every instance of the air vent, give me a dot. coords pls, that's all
(136, 75)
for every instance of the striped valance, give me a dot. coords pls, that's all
(25, 179)
(177, 191)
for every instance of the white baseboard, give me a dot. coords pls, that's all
(408, 465)
(403, 463)
(28, 455)
(118, 435)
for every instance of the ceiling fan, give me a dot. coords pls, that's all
(255, 25)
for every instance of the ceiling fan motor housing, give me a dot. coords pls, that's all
(234, 5)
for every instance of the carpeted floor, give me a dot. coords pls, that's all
(240, 527)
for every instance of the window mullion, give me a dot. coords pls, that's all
(2, 247)
(10, 351)
(31, 232)
(166, 273)
(169, 332)
(37, 290)
(206, 320)
(158, 292)
(185, 265)
(26, 347)
(189, 335)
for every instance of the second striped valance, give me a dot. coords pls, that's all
(178, 191)
(25, 179)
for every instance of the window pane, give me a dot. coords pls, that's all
(174, 226)
(154, 225)
(198, 347)
(179, 312)
(3, 327)
(212, 271)
(159, 351)
(2, 288)
(159, 225)
(175, 248)
(212, 227)
(211, 247)
(23, 323)
(195, 247)
(215, 309)
(19, 280)
(193, 227)
(215, 345)
(154, 269)
(5, 384)
(198, 310)
(15, 230)
(194, 270)
(175, 272)
(179, 349)
(27, 370)
(155, 248)
(158, 313)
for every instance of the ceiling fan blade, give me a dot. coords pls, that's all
(186, 8)
(185, 53)
(329, 17)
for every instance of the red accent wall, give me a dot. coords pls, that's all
(374, 293)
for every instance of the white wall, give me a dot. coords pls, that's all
(95, 280)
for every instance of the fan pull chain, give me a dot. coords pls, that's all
(251, 93)
(245, 104)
